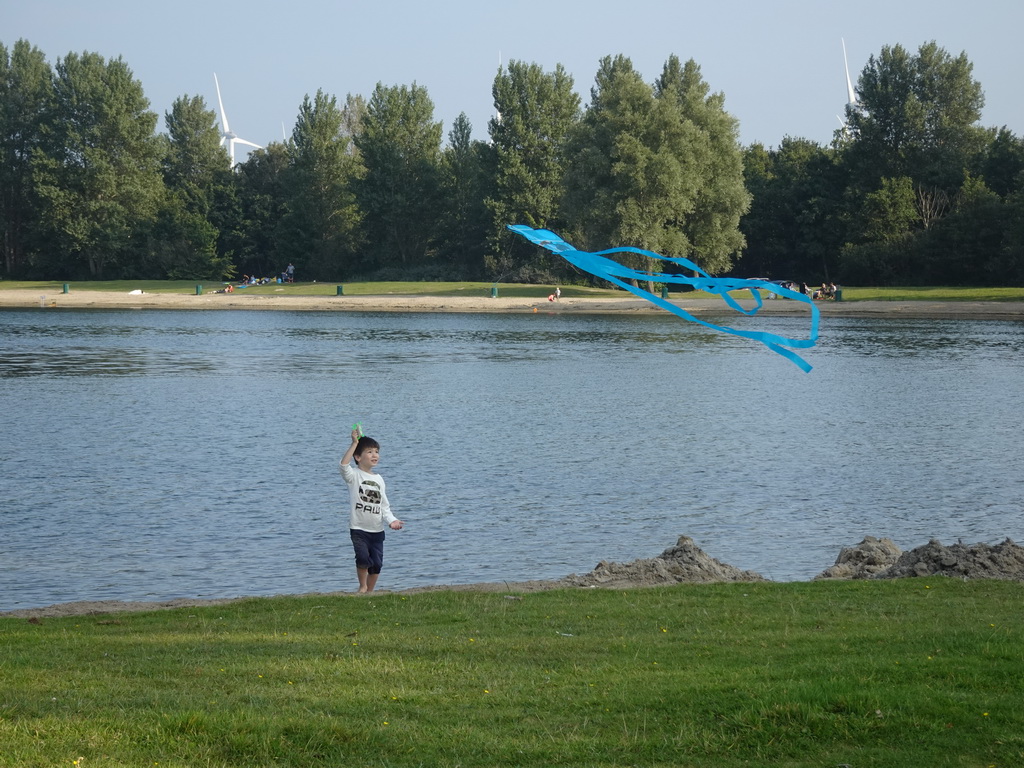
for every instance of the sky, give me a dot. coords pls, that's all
(778, 63)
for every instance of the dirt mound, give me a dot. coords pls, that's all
(685, 562)
(975, 561)
(863, 561)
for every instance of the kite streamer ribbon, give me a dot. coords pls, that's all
(600, 266)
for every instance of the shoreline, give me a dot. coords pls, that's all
(28, 299)
(683, 563)
(100, 607)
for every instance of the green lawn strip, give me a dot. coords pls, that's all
(911, 673)
(933, 294)
(508, 290)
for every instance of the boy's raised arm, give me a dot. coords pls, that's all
(347, 458)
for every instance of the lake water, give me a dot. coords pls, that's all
(149, 455)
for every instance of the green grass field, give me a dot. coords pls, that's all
(511, 290)
(913, 672)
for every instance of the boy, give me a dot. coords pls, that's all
(369, 509)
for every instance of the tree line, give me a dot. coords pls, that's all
(911, 190)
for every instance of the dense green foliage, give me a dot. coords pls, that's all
(535, 113)
(911, 191)
(319, 228)
(400, 147)
(912, 672)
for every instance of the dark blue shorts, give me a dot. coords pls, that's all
(369, 549)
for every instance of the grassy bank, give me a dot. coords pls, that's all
(933, 294)
(510, 290)
(905, 673)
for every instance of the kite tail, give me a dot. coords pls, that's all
(599, 265)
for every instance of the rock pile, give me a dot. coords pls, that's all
(685, 562)
(873, 558)
(882, 559)
(975, 561)
(870, 557)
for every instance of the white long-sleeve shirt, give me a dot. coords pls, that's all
(369, 509)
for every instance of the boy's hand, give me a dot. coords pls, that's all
(355, 435)
(396, 525)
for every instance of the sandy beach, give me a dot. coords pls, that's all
(22, 298)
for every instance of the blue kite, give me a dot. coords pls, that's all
(598, 265)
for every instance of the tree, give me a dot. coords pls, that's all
(97, 172)
(890, 212)
(182, 246)
(319, 233)
(1002, 162)
(912, 139)
(255, 234)
(712, 227)
(916, 117)
(658, 168)
(198, 178)
(886, 252)
(400, 147)
(795, 223)
(1008, 264)
(26, 94)
(632, 177)
(194, 162)
(535, 114)
(967, 246)
(464, 223)
(352, 116)
(765, 224)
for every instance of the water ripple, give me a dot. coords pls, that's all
(167, 454)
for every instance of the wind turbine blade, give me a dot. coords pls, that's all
(851, 97)
(247, 143)
(223, 117)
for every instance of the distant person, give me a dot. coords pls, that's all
(369, 509)
(290, 273)
(558, 293)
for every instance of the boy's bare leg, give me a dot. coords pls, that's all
(371, 581)
(364, 577)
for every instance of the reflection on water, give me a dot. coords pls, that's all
(154, 454)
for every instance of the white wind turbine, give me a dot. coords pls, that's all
(851, 97)
(226, 133)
